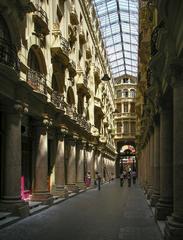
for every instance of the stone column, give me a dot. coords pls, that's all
(71, 165)
(60, 189)
(41, 188)
(164, 205)
(156, 185)
(92, 163)
(80, 165)
(174, 225)
(11, 195)
(148, 166)
(151, 164)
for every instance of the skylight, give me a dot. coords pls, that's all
(119, 27)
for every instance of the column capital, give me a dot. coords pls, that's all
(20, 107)
(62, 132)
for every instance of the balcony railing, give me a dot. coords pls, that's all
(41, 21)
(8, 55)
(64, 45)
(41, 13)
(74, 16)
(71, 112)
(85, 81)
(72, 68)
(126, 114)
(37, 81)
(83, 123)
(58, 100)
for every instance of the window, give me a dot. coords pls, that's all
(125, 105)
(132, 93)
(125, 92)
(132, 107)
(126, 127)
(133, 128)
(118, 93)
(118, 107)
(119, 125)
(125, 80)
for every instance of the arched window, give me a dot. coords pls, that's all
(118, 93)
(33, 62)
(8, 53)
(125, 92)
(132, 93)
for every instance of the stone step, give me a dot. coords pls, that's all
(38, 209)
(34, 204)
(8, 220)
(82, 190)
(58, 200)
(72, 194)
(4, 215)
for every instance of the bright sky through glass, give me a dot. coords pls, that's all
(119, 26)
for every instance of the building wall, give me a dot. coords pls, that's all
(159, 111)
(56, 113)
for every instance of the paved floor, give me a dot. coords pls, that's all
(114, 213)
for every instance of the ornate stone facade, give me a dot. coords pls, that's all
(56, 113)
(159, 111)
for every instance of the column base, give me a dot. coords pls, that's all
(17, 207)
(81, 185)
(174, 229)
(45, 197)
(72, 187)
(163, 209)
(154, 199)
(60, 191)
(149, 192)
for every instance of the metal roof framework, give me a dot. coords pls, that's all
(119, 28)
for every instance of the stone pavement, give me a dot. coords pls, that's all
(114, 213)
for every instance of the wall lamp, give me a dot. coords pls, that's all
(106, 77)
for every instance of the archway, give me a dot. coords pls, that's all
(36, 76)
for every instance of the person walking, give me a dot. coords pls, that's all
(129, 178)
(98, 181)
(121, 179)
(134, 176)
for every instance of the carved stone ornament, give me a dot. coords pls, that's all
(20, 107)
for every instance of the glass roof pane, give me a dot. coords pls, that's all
(119, 27)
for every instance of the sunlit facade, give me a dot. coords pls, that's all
(56, 115)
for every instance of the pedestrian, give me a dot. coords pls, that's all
(88, 179)
(134, 176)
(129, 178)
(98, 181)
(121, 179)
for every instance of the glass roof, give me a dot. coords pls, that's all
(119, 27)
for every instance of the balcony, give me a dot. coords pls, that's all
(58, 100)
(70, 112)
(41, 20)
(72, 68)
(73, 16)
(125, 115)
(60, 50)
(37, 81)
(82, 83)
(97, 73)
(103, 139)
(121, 135)
(8, 55)
(83, 123)
(88, 52)
(82, 36)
